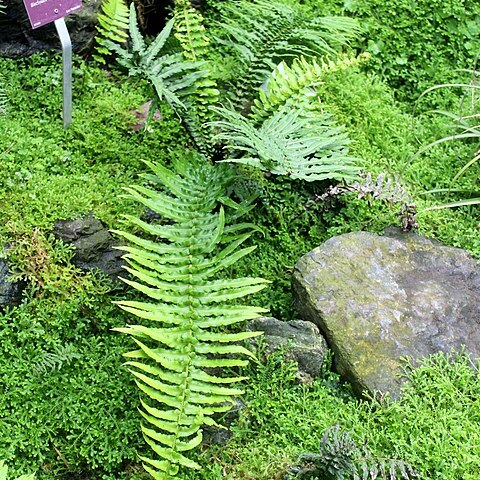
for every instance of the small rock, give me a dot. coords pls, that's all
(218, 435)
(141, 114)
(308, 347)
(94, 245)
(10, 293)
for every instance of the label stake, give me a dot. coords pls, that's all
(67, 70)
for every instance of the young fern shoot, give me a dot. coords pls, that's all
(187, 324)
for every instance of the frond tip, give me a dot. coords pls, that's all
(184, 322)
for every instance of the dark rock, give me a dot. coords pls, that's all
(218, 435)
(94, 246)
(380, 298)
(10, 292)
(306, 346)
(18, 39)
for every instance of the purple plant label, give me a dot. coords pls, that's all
(41, 12)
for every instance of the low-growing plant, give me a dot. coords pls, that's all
(415, 44)
(340, 458)
(4, 473)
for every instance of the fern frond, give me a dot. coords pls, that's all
(172, 77)
(293, 143)
(183, 331)
(4, 473)
(113, 26)
(263, 33)
(294, 85)
(191, 33)
(51, 361)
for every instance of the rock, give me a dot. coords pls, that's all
(308, 347)
(218, 435)
(18, 39)
(10, 292)
(93, 245)
(380, 298)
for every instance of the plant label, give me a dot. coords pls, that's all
(41, 12)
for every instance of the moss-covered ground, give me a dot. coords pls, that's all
(77, 418)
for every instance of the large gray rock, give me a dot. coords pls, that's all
(18, 39)
(380, 298)
(306, 346)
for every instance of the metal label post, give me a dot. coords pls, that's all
(67, 70)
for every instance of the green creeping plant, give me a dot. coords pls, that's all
(187, 324)
(4, 473)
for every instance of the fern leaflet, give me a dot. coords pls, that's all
(188, 309)
(172, 77)
(191, 34)
(294, 85)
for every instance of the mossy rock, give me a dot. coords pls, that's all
(378, 299)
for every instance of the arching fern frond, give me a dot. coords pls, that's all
(291, 142)
(183, 330)
(294, 85)
(113, 26)
(263, 33)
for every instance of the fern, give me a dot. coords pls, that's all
(4, 473)
(189, 309)
(48, 362)
(172, 77)
(294, 85)
(341, 459)
(191, 34)
(262, 33)
(383, 187)
(113, 26)
(294, 143)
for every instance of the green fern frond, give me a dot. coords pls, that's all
(4, 473)
(50, 361)
(113, 26)
(191, 33)
(263, 33)
(291, 142)
(173, 78)
(294, 85)
(184, 322)
(340, 458)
